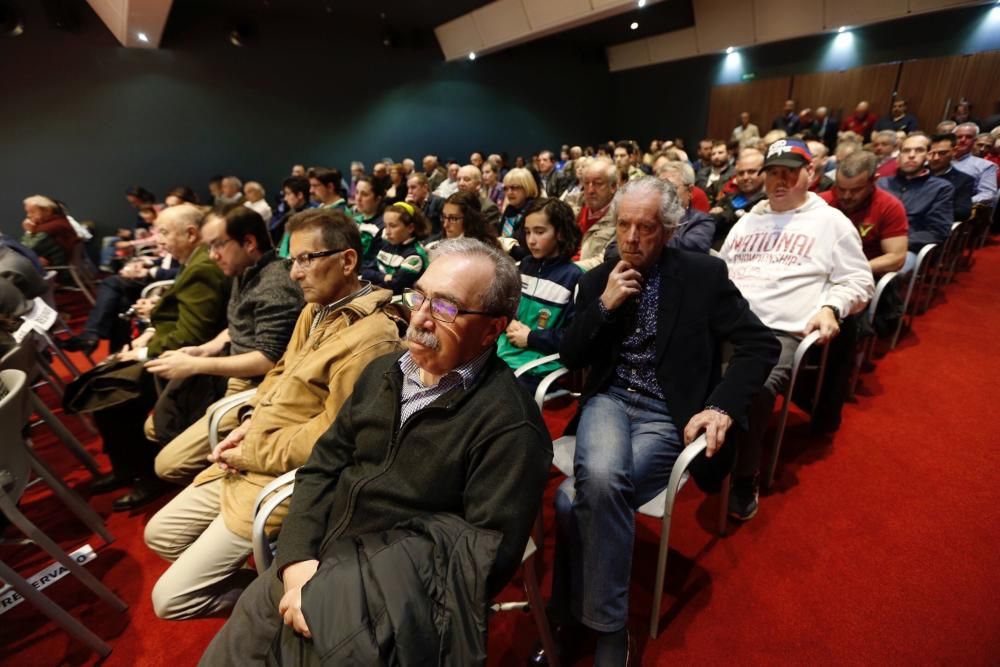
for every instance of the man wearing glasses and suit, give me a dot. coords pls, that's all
(206, 529)
(442, 430)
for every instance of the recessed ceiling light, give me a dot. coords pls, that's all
(642, 3)
(729, 49)
(472, 55)
(635, 25)
(842, 28)
(142, 37)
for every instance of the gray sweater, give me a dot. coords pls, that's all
(263, 307)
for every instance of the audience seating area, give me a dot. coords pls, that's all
(870, 545)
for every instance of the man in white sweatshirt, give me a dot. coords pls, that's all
(800, 264)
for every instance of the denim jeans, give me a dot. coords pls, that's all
(626, 445)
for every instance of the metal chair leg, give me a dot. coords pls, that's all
(70, 498)
(9, 509)
(537, 606)
(63, 434)
(56, 613)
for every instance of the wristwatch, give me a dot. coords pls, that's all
(836, 311)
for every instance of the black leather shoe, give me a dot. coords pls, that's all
(143, 492)
(80, 344)
(107, 483)
(567, 638)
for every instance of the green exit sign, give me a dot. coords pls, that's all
(748, 76)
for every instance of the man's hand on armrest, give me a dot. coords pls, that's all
(714, 422)
(295, 576)
(825, 320)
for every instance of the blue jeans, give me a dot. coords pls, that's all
(626, 446)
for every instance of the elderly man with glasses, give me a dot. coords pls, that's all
(438, 436)
(206, 529)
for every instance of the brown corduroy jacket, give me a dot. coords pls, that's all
(299, 398)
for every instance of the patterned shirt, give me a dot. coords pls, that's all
(323, 311)
(637, 365)
(416, 395)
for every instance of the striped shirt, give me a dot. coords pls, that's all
(323, 311)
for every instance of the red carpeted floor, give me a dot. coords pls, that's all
(880, 545)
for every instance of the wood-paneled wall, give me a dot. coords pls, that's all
(928, 85)
(763, 99)
(932, 87)
(841, 91)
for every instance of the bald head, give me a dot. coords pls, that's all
(469, 178)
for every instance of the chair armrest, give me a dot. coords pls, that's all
(541, 361)
(153, 286)
(543, 386)
(881, 286)
(282, 489)
(222, 408)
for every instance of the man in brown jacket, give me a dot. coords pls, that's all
(205, 530)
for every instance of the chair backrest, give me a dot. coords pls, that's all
(21, 357)
(14, 463)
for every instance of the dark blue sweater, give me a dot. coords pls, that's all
(928, 203)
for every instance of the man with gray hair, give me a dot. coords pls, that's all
(231, 192)
(696, 228)
(984, 171)
(649, 327)
(441, 429)
(470, 179)
(884, 145)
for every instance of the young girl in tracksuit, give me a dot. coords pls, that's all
(401, 259)
(548, 286)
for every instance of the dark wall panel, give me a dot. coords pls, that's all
(83, 118)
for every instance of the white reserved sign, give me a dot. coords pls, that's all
(41, 317)
(9, 598)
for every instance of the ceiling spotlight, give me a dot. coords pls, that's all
(842, 28)
(642, 3)
(143, 38)
(635, 25)
(729, 49)
(472, 55)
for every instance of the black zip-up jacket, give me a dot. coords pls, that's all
(413, 595)
(482, 454)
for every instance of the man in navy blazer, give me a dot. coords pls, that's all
(650, 327)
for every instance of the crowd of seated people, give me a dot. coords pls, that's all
(379, 321)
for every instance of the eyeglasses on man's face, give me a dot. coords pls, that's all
(305, 260)
(442, 309)
(218, 244)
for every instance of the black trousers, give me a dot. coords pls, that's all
(121, 428)
(115, 295)
(247, 636)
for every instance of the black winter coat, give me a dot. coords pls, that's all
(412, 595)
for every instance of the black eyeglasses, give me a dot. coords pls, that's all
(305, 259)
(442, 310)
(452, 218)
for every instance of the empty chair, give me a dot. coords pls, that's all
(23, 358)
(17, 461)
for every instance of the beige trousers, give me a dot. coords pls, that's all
(187, 455)
(207, 575)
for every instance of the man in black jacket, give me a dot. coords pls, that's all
(444, 428)
(649, 327)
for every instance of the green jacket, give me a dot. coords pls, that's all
(193, 310)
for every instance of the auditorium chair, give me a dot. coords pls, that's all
(661, 507)
(17, 462)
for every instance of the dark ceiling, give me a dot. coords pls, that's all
(414, 20)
